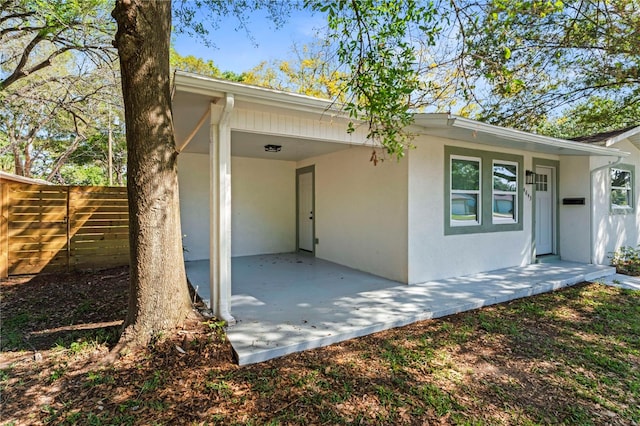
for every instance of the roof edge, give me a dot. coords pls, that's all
(450, 120)
(214, 87)
(626, 135)
(22, 179)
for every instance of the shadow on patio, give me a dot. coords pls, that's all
(285, 303)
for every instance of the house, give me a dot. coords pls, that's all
(6, 177)
(263, 171)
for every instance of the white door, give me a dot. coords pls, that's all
(544, 210)
(305, 211)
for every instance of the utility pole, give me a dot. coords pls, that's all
(110, 151)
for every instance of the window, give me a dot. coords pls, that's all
(621, 190)
(482, 191)
(465, 191)
(505, 192)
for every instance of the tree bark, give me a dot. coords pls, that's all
(159, 297)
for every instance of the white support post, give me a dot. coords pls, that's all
(220, 211)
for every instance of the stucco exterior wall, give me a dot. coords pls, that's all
(611, 230)
(193, 181)
(434, 255)
(361, 212)
(262, 205)
(574, 220)
(263, 197)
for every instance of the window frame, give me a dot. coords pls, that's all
(494, 192)
(485, 206)
(478, 192)
(628, 168)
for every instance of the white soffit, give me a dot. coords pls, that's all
(632, 134)
(464, 129)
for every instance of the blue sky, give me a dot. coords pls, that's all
(233, 49)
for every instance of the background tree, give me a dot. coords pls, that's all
(55, 73)
(374, 45)
(595, 115)
(34, 33)
(200, 66)
(48, 116)
(312, 70)
(539, 58)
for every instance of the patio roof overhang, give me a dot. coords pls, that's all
(200, 91)
(195, 96)
(459, 128)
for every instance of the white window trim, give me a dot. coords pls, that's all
(494, 192)
(477, 192)
(628, 189)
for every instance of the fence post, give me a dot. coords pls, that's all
(4, 230)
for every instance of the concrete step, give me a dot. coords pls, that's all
(548, 258)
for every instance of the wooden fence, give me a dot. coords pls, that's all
(46, 228)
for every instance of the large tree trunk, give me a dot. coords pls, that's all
(159, 298)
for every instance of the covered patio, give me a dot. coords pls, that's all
(286, 303)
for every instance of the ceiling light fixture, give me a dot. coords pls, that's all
(272, 148)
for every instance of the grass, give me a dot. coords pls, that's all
(568, 357)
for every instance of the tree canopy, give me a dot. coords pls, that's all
(34, 33)
(57, 85)
(544, 58)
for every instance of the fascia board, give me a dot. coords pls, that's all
(442, 120)
(629, 134)
(215, 88)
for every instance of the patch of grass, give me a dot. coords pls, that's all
(82, 308)
(58, 373)
(11, 333)
(79, 342)
(153, 383)
(221, 388)
(96, 378)
(578, 415)
(567, 357)
(4, 374)
(441, 402)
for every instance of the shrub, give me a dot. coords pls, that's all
(626, 259)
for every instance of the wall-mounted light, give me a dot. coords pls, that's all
(272, 148)
(530, 177)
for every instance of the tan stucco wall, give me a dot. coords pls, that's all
(434, 255)
(361, 212)
(612, 231)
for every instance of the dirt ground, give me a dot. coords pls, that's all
(569, 357)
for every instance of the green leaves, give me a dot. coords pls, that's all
(539, 56)
(374, 45)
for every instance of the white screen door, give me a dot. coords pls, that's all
(544, 210)
(305, 211)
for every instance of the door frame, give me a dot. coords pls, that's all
(308, 169)
(555, 166)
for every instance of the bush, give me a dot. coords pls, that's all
(626, 259)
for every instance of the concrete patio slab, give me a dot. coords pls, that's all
(622, 281)
(290, 302)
